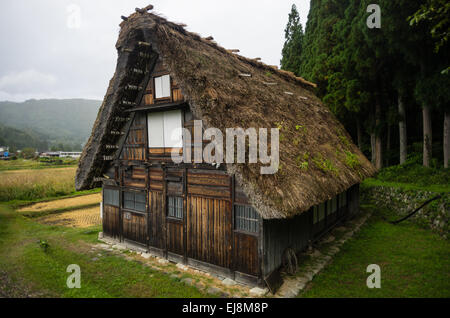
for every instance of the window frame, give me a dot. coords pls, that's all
(161, 119)
(172, 217)
(144, 193)
(257, 220)
(110, 189)
(170, 87)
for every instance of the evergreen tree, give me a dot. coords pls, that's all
(293, 44)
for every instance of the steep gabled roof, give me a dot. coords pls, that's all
(317, 157)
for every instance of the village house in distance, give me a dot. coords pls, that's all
(228, 219)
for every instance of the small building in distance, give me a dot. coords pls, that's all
(4, 153)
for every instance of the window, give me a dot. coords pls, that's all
(165, 129)
(246, 219)
(111, 197)
(134, 201)
(175, 207)
(162, 86)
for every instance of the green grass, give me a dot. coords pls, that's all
(414, 262)
(414, 173)
(29, 266)
(20, 164)
(407, 186)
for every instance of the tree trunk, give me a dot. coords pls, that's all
(446, 138)
(427, 136)
(402, 130)
(378, 142)
(359, 134)
(388, 146)
(372, 147)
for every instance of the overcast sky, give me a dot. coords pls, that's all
(66, 48)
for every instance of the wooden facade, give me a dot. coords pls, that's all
(196, 213)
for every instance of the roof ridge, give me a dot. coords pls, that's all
(180, 27)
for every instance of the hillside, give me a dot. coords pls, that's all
(57, 122)
(20, 139)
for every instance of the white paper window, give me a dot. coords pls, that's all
(165, 129)
(156, 130)
(162, 86)
(172, 129)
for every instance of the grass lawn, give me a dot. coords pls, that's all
(414, 262)
(26, 269)
(20, 164)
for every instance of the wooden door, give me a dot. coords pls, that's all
(156, 219)
(209, 231)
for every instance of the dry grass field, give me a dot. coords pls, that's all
(81, 218)
(63, 203)
(32, 184)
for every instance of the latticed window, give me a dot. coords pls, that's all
(134, 201)
(246, 219)
(111, 197)
(175, 207)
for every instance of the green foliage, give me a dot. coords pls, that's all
(28, 153)
(44, 245)
(412, 172)
(324, 164)
(437, 14)
(303, 161)
(352, 160)
(293, 44)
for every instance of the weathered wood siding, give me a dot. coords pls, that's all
(156, 219)
(111, 221)
(246, 256)
(134, 146)
(134, 226)
(281, 234)
(209, 230)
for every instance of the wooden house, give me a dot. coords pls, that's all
(227, 218)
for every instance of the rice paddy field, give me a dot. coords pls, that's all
(34, 184)
(63, 203)
(81, 218)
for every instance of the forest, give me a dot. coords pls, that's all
(388, 84)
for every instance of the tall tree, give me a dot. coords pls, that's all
(436, 15)
(293, 44)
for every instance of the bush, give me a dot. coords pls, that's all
(412, 171)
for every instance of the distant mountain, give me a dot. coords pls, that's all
(18, 139)
(59, 122)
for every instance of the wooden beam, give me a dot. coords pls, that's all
(124, 18)
(209, 38)
(233, 51)
(158, 107)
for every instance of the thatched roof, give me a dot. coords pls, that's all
(317, 157)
